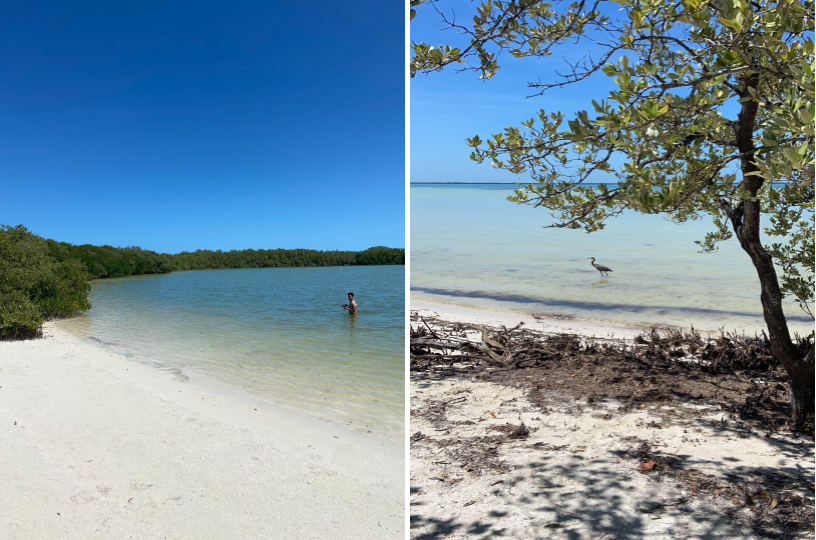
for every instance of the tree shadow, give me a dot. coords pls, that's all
(550, 493)
(577, 500)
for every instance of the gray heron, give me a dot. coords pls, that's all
(600, 268)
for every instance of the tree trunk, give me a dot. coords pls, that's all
(802, 395)
(746, 222)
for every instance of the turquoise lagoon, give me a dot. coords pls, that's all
(280, 333)
(471, 247)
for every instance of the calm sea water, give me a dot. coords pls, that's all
(279, 332)
(470, 246)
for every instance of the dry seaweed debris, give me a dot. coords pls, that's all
(762, 500)
(735, 374)
(738, 372)
(512, 431)
(517, 347)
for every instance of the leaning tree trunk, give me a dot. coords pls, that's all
(745, 220)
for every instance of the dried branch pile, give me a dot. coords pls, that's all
(515, 347)
(441, 343)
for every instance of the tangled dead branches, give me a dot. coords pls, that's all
(436, 343)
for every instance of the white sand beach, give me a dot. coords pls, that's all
(547, 324)
(589, 470)
(94, 445)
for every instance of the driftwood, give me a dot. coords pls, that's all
(448, 343)
(443, 342)
(435, 344)
(489, 346)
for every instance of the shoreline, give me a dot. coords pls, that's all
(96, 445)
(198, 377)
(552, 322)
(548, 324)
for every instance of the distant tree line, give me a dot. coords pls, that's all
(41, 279)
(109, 262)
(280, 258)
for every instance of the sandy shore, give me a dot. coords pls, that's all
(93, 445)
(592, 469)
(549, 325)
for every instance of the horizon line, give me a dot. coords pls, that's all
(493, 183)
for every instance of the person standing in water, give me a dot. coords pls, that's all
(352, 305)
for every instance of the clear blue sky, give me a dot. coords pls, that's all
(447, 107)
(214, 125)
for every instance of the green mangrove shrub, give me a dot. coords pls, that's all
(34, 286)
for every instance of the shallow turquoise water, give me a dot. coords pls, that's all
(470, 246)
(277, 332)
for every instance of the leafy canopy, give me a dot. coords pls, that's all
(669, 133)
(33, 285)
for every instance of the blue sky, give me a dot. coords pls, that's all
(447, 107)
(204, 125)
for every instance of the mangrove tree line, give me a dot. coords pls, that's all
(41, 279)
